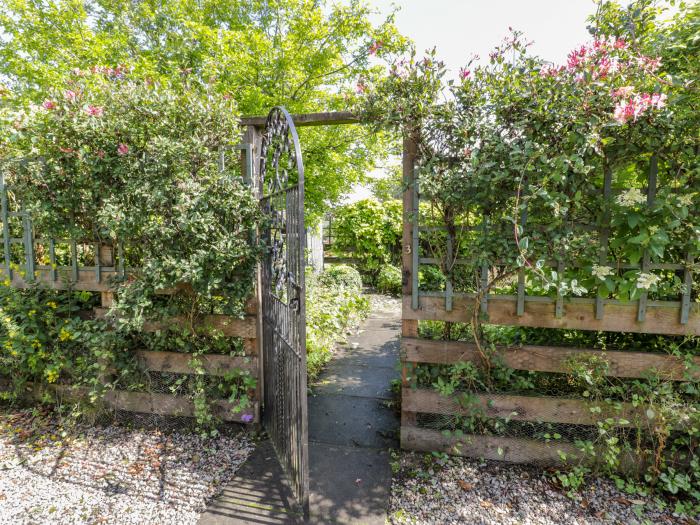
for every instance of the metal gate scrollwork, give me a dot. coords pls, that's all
(281, 184)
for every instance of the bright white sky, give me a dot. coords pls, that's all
(460, 28)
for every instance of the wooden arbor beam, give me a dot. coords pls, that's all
(331, 118)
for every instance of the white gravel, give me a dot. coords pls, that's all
(467, 491)
(109, 474)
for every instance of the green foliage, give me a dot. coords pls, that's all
(370, 231)
(512, 164)
(306, 55)
(334, 303)
(133, 166)
(510, 169)
(389, 280)
(45, 342)
(342, 276)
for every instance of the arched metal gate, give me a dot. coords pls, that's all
(283, 299)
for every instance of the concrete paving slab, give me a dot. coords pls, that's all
(356, 379)
(349, 485)
(258, 494)
(352, 421)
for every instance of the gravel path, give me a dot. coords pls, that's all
(465, 491)
(108, 474)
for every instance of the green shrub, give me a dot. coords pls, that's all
(371, 232)
(389, 280)
(133, 165)
(341, 275)
(334, 303)
(431, 278)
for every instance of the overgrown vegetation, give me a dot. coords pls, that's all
(334, 304)
(132, 167)
(511, 170)
(370, 231)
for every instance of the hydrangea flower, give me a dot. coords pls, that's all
(601, 272)
(646, 280)
(631, 197)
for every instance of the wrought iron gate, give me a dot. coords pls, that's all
(283, 299)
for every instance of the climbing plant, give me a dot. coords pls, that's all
(135, 166)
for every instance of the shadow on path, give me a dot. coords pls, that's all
(351, 430)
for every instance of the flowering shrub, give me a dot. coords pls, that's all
(512, 165)
(135, 165)
(526, 144)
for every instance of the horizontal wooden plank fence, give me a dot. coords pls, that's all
(20, 269)
(679, 318)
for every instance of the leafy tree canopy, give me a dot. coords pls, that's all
(303, 54)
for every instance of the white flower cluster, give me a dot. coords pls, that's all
(646, 280)
(601, 272)
(631, 197)
(685, 200)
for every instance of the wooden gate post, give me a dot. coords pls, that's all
(250, 160)
(409, 327)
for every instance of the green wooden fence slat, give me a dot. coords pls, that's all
(604, 234)
(28, 247)
(74, 259)
(651, 197)
(52, 258)
(449, 291)
(5, 226)
(98, 267)
(416, 245)
(687, 288)
(559, 305)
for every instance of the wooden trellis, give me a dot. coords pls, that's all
(680, 317)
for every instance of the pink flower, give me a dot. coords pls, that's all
(623, 112)
(620, 43)
(376, 46)
(599, 45)
(623, 91)
(658, 100)
(464, 73)
(361, 87)
(122, 149)
(94, 111)
(49, 104)
(70, 95)
(649, 64)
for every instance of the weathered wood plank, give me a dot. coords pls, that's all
(309, 119)
(169, 405)
(179, 363)
(151, 403)
(578, 315)
(227, 325)
(87, 279)
(511, 450)
(521, 408)
(551, 358)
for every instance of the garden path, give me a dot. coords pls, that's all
(351, 431)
